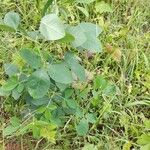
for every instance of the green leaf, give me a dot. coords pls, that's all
(15, 94)
(91, 118)
(83, 10)
(91, 28)
(60, 73)
(51, 27)
(103, 7)
(4, 93)
(38, 84)
(92, 44)
(9, 130)
(78, 34)
(89, 147)
(82, 128)
(100, 82)
(4, 27)
(10, 84)
(145, 147)
(12, 20)
(91, 31)
(67, 39)
(11, 69)
(109, 90)
(144, 139)
(71, 103)
(85, 1)
(31, 58)
(61, 86)
(48, 3)
(75, 66)
(41, 101)
(49, 132)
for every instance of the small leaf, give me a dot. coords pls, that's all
(38, 84)
(71, 103)
(91, 118)
(67, 39)
(12, 20)
(51, 27)
(11, 69)
(82, 128)
(10, 84)
(83, 10)
(100, 82)
(31, 58)
(103, 7)
(16, 94)
(144, 139)
(49, 132)
(4, 93)
(60, 73)
(9, 130)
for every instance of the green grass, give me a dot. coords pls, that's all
(121, 116)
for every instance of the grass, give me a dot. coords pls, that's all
(125, 62)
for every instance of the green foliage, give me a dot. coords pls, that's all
(83, 127)
(60, 73)
(38, 84)
(12, 20)
(31, 58)
(52, 28)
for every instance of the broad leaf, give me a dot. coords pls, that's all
(10, 84)
(91, 28)
(12, 20)
(75, 66)
(38, 84)
(11, 69)
(60, 73)
(78, 34)
(31, 58)
(91, 31)
(82, 128)
(52, 28)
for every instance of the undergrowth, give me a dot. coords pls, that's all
(67, 91)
